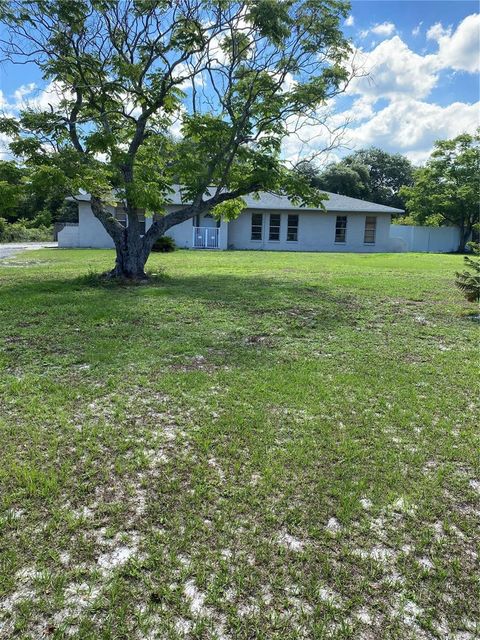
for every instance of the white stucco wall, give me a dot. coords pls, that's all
(316, 232)
(68, 236)
(91, 232)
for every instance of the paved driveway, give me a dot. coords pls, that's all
(10, 249)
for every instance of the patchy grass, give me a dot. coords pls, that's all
(253, 445)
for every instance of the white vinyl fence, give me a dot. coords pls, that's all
(424, 239)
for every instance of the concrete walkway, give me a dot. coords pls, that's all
(9, 249)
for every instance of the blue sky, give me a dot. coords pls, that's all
(422, 59)
(410, 15)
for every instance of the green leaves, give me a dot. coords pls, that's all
(448, 185)
(230, 209)
(9, 126)
(271, 18)
(229, 77)
(188, 35)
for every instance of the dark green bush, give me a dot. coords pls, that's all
(164, 244)
(20, 232)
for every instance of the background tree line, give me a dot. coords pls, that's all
(369, 174)
(31, 201)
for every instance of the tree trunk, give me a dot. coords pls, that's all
(465, 231)
(132, 245)
(131, 257)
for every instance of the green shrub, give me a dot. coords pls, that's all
(20, 232)
(164, 244)
(469, 281)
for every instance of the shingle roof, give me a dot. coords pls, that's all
(335, 202)
(266, 200)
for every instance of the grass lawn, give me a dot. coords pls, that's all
(268, 446)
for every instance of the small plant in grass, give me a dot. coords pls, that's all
(468, 281)
(164, 244)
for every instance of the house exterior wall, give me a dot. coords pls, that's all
(68, 236)
(183, 233)
(316, 232)
(91, 233)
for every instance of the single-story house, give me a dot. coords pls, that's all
(270, 222)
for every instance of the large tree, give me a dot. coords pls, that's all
(387, 174)
(448, 186)
(233, 77)
(369, 174)
(347, 179)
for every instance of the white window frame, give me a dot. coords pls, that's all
(293, 226)
(121, 216)
(279, 227)
(260, 226)
(370, 229)
(142, 219)
(341, 228)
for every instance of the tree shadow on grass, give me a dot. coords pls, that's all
(248, 294)
(67, 320)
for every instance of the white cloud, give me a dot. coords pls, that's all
(407, 126)
(436, 31)
(379, 29)
(177, 120)
(185, 73)
(31, 96)
(458, 50)
(416, 30)
(383, 29)
(393, 71)
(23, 91)
(350, 21)
(4, 150)
(412, 126)
(408, 123)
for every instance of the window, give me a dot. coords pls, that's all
(292, 228)
(196, 221)
(274, 232)
(341, 229)
(121, 216)
(257, 224)
(141, 222)
(370, 229)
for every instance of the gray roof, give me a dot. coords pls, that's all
(266, 200)
(335, 202)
